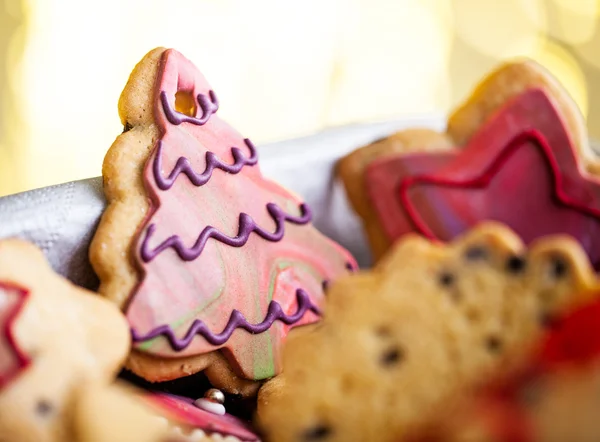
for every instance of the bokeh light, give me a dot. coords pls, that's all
(581, 7)
(13, 38)
(383, 66)
(281, 69)
(590, 50)
(270, 88)
(574, 21)
(497, 27)
(566, 69)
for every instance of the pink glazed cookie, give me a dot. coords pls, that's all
(211, 263)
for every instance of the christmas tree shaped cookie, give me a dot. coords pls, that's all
(516, 152)
(211, 262)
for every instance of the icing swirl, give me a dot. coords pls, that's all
(247, 225)
(236, 320)
(213, 162)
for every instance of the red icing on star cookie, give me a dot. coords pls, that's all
(229, 260)
(183, 411)
(520, 169)
(12, 360)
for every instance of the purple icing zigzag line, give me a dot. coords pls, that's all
(208, 106)
(212, 162)
(236, 320)
(246, 226)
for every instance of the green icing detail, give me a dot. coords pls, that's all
(264, 367)
(146, 345)
(268, 369)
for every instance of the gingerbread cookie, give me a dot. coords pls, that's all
(427, 319)
(55, 337)
(552, 397)
(211, 263)
(516, 152)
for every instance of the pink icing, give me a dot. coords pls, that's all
(12, 359)
(236, 321)
(221, 239)
(182, 411)
(520, 169)
(246, 227)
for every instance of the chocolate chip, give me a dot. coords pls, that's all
(476, 253)
(383, 332)
(127, 127)
(350, 267)
(559, 268)
(515, 264)
(320, 432)
(493, 344)
(392, 356)
(43, 407)
(325, 284)
(446, 279)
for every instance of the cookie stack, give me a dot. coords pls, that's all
(222, 313)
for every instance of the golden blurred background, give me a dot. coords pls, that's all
(281, 68)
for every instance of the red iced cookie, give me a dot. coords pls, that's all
(520, 168)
